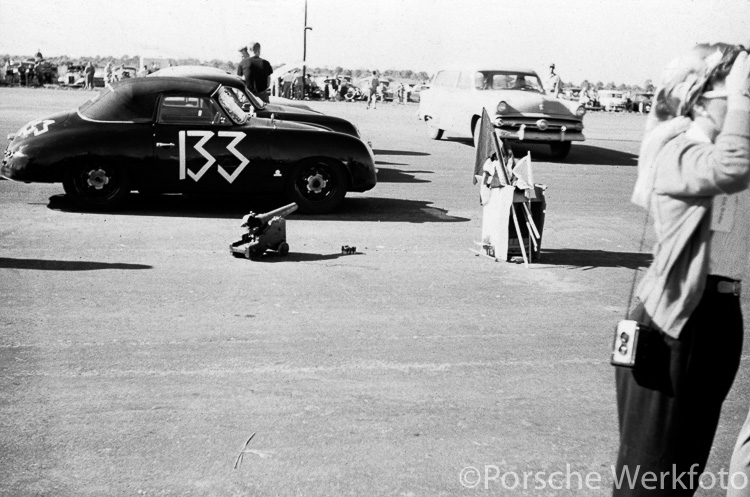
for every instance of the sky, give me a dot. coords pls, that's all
(621, 41)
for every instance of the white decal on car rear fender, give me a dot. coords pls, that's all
(238, 136)
(32, 127)
(206, 135)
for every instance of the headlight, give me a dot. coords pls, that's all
(580, 111)
(502, 107)
(542, 124)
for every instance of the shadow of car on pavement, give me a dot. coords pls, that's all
(231, 207)
(54, 265)
(579, 153)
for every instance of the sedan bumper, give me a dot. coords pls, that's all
(534, 135)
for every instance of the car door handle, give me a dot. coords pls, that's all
(164, 145)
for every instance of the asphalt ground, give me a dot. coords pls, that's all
(137, 357)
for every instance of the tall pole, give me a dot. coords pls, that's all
(304, 55)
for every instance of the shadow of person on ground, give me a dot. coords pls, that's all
(590, 259)
(52, 265)
(231, 207)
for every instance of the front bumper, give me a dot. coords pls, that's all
(522, 133)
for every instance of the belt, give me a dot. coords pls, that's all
(720, 284)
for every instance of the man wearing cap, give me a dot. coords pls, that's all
(255, 71)
(553, 82)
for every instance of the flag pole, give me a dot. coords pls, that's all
(504, 159)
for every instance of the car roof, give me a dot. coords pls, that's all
(144, 86)
(135, 99)
(201, 72)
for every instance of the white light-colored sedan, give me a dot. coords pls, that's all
(612, 100)
(515, 102)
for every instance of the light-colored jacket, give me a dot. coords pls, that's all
(677, 180)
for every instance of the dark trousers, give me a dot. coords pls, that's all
(669, 409)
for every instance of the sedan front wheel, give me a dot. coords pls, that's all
(97, 186)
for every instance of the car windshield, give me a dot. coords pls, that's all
(229, 101)
(507, 80)
(247, 98)
(255, 101)
(242, 100)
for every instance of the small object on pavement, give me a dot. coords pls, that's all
(264, 232)
(347, 250)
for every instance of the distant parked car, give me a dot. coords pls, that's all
(414, 92)
(642, 102)
(386, 91)
(514, 100)
(572, 94)
(612, 100)
(72, 77)
(77, 77)
(124, 72)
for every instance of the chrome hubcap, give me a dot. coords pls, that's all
(97, 179)
(316, 183)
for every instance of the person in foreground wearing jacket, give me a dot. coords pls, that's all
(693, 175)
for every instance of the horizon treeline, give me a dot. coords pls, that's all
(231, 67)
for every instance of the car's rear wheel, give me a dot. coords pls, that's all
(560, 150)
(317, 187)
(435, 132)
(97, 186)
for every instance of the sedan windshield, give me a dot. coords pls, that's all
(507, 80)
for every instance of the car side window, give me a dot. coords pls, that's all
(446, 79)
(464, 81)
(191, 110)
(479, 81)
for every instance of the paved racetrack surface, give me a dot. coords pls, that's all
(137, 357)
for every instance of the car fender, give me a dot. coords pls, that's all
(294, 146)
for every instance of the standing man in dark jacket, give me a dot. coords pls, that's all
(243, 68)
(256, 72)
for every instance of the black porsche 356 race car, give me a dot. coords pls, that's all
(184, 135)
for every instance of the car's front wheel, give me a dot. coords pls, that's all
(317, 187)
(97, 186)
(560, 150)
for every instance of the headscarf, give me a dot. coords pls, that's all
(685, 79)
(680, 86)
